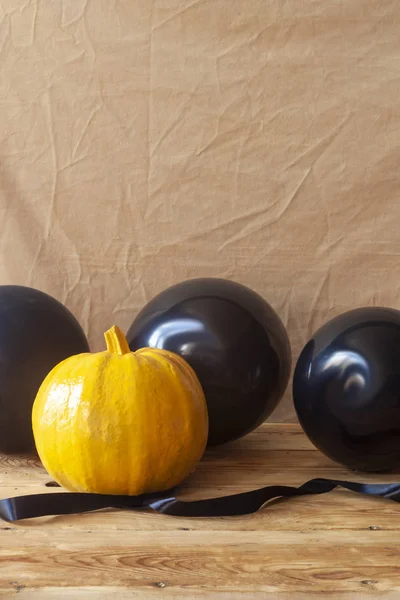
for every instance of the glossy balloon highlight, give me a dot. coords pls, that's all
(232, 338)
(346, 389)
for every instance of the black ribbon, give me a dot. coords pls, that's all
(64, 503)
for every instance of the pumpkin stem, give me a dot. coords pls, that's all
(116, 341)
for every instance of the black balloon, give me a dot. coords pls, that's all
(232, 338)
(346, 389)
(36, 333)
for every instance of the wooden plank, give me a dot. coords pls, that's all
(120, 593)
(338, 545)
(286, 561)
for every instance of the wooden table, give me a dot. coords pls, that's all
(340, 544)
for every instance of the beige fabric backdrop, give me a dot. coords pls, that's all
(146, 142)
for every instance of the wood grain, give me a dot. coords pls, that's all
(338, 545)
